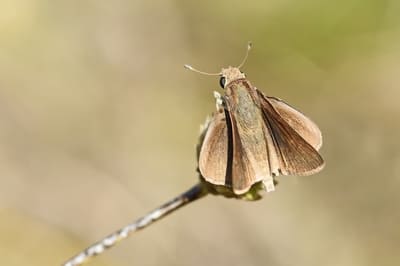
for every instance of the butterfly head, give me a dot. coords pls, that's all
(230, 74)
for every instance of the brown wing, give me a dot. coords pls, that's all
(224, 159)
(250, 162)
(295, 154)
(242, 175)
(306, 128)
(214, 151)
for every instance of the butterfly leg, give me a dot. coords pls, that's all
(219, 102)
(269, 184)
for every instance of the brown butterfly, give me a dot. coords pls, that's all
(253, 137)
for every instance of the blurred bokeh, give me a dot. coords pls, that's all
(99, 121)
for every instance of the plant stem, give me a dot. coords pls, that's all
(99, 247)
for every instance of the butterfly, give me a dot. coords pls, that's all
(254, 138)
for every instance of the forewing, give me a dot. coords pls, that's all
(306, 128)
(242, 174)
(214, 151)
(295, 154)
(250, 155)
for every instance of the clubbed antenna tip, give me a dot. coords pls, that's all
(249, 45)
(188, 67)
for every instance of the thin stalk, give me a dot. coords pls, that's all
(109, 241)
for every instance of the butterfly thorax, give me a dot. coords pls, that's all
(239, 93)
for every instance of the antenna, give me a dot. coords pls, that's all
(249, 44)
(201, 72)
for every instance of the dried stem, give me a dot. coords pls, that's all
(191, 195)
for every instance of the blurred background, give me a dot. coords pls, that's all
(99, 122)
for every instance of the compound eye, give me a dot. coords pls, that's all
(222, 81)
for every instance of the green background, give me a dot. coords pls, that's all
(99, 121)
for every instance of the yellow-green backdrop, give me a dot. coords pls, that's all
(99, 121)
